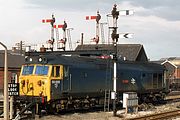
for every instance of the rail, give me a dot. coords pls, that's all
(159, 116)
(23, 110)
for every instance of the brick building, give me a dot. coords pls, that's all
(14, 66)
(173, 67)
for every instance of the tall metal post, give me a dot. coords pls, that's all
(82, 38)
(11, 107)
(21, 44)
(6, 99)
(13, 80)
(115, 37)
(64, 34)
(97, 27)
(114, 89)
(52, 32)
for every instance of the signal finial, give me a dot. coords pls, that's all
(98, 17)
(53, 20)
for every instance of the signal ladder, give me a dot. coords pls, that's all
(107, 100)
(57, 37)
(108, 84)
(69, 38)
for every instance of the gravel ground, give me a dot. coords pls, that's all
(82, 116)
(109, 115)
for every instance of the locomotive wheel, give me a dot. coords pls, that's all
(1, 112)
(151, 106)
(143, 107)
(51, 108)
(77, 104)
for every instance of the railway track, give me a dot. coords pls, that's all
(159, 116)
(174, 97)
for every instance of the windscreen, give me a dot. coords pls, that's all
(41, 70)
(27, 70)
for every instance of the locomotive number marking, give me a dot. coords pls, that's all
(56, 83)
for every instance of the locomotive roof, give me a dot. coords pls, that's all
(89, 62)
(130, 52)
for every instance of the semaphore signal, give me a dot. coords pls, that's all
(97, 18)
(91, 17)
(126, 12)
(46, 20)
(115, 36)
(61, 43)
(58, 26)
(126, 35)
(51, 40)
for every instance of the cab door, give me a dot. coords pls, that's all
(56, 81)
(67, 83)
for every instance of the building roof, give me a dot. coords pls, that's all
(13, 52)
(131, 52)
(171, 63)
(174, 61)
(14, 61)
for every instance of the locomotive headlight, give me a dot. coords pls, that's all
(41, 93)
(31, 86)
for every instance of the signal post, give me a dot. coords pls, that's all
(115, 14)
(114, 37)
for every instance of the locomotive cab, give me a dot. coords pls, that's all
(36, 80)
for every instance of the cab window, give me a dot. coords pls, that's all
(41, 70)
(27, 70)
(55, 71)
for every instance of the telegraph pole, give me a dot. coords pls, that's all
(115, 37)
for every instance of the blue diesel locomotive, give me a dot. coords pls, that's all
(57, 82)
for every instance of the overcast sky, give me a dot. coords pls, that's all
(155, 24)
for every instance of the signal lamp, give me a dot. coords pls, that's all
(31, 86)
(40, 59)
(30, 59)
